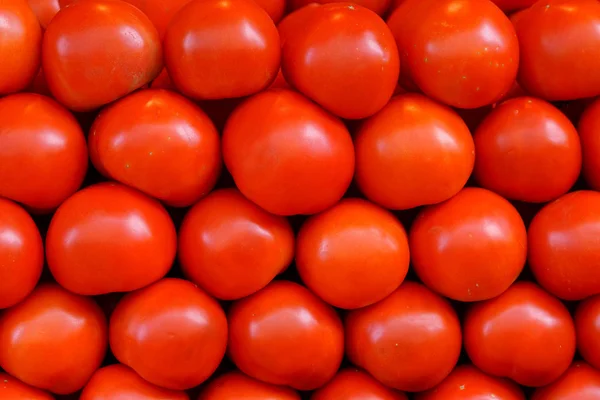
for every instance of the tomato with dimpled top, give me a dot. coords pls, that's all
(589, 126)
(237, 386)
(587, 325)
(580, 382)
(354, 384)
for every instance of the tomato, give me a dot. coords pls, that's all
(527, 150)
(275, 8)
(587, 325)
(524, 334)
(468, 61)
(237, 386)
(233, 53)
(421, 145)
(44, 10)
(288, 155)
(285, 335)
(344, 58)
(12, 388)
(352, 255)
(96, 51)
(353, 384)
(589, 126)
(39, 85)
(116, 382)
(513, 5)
(580, 382)
(560, 64)
(409, 341)
(171, 333)
(231, 247)
(377, 6)
(564, 252)
(110, 238)
(160, 143)
(295, 21)
(43, 155)
(53, 340)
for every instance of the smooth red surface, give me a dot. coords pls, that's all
(237, 386)
(580, 382)
(589, 126)
(12, 388)
(587, 324)
(354, 384)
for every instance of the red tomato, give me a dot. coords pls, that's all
(580, 382)
(589, 126)
(285, 335)
(352, 255)
(564, 251)
(53, 340)
(275, 8)
(377, 6)
(110, 238)
(231, 247)
(171, 333)
(160, 143)
(468, 61)
(421, 145)
(409, 341)
(44, 10)
(236, 386)
(118, 382)
(524, 334)
(233, 53)
(13, 389)
(288, 155)
(587, 325)
(344, 58)
(43, 155)
(353, 384)
(513, 5)
(96, 51)
(527, 150)
(295, 21)
(560, 49)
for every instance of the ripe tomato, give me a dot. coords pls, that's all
(587, 325)
(589, 126)
(237, 386)
(560, 64)
(295, 21)
(96, 51)
(377, 6)
(285, 335)
(422, 146)
(12, 388)
(352, 255)
(160, 143)
(117, 382)
(564, 252)
(275, 8)
(344, 58)
(53, 340)
(44, 10)
(233, 53)
(110, 238)
(43, 155)
(171, 333)
(231, 247)
(524, 334)
(527, 150)
(288, 155)
(409, 341)
(580, 382)
(513, 5)
(353, 384)
(468, 61)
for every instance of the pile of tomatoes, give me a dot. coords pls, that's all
(284, 200)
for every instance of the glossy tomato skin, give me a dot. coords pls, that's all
(344, 58)
(524, 334)
(580, 382)
(354, 384)
(110, 238)
(379, 7)
(295, 21)
(44, 10)
(587, 325)
(275, 8)
(117, 382)
(159, 143)
(589, 126)
(422, 146)
(469, 61)
(563, 251)
(288, 155)
(89, 62)
(12, 388)
(171, 333)
(234, 53)
(286, 318)
(53, 340)
(353, 254)
(560, 64)
(43, 154)
(409, 341)
(237, 386)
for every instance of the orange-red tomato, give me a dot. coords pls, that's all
(587, 325)
(564, 251)
(110, 238)
(171, 333)
(423, 147)
(285, 335)
(580, 382)
(53, 340)
(353, 384)
(234, 53)
(44, 10)
(524, 334)
(160, 143)
(527, 150)
(589, 126)
(237, 386)
(409, 341)
(377, 6)
(275, 8)
(43, 155)
(13, 389)
(96, 51)
(344, 58)
(288, 155)
(295, 21)
(513, 5)
(353, 254)
(119, 382)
